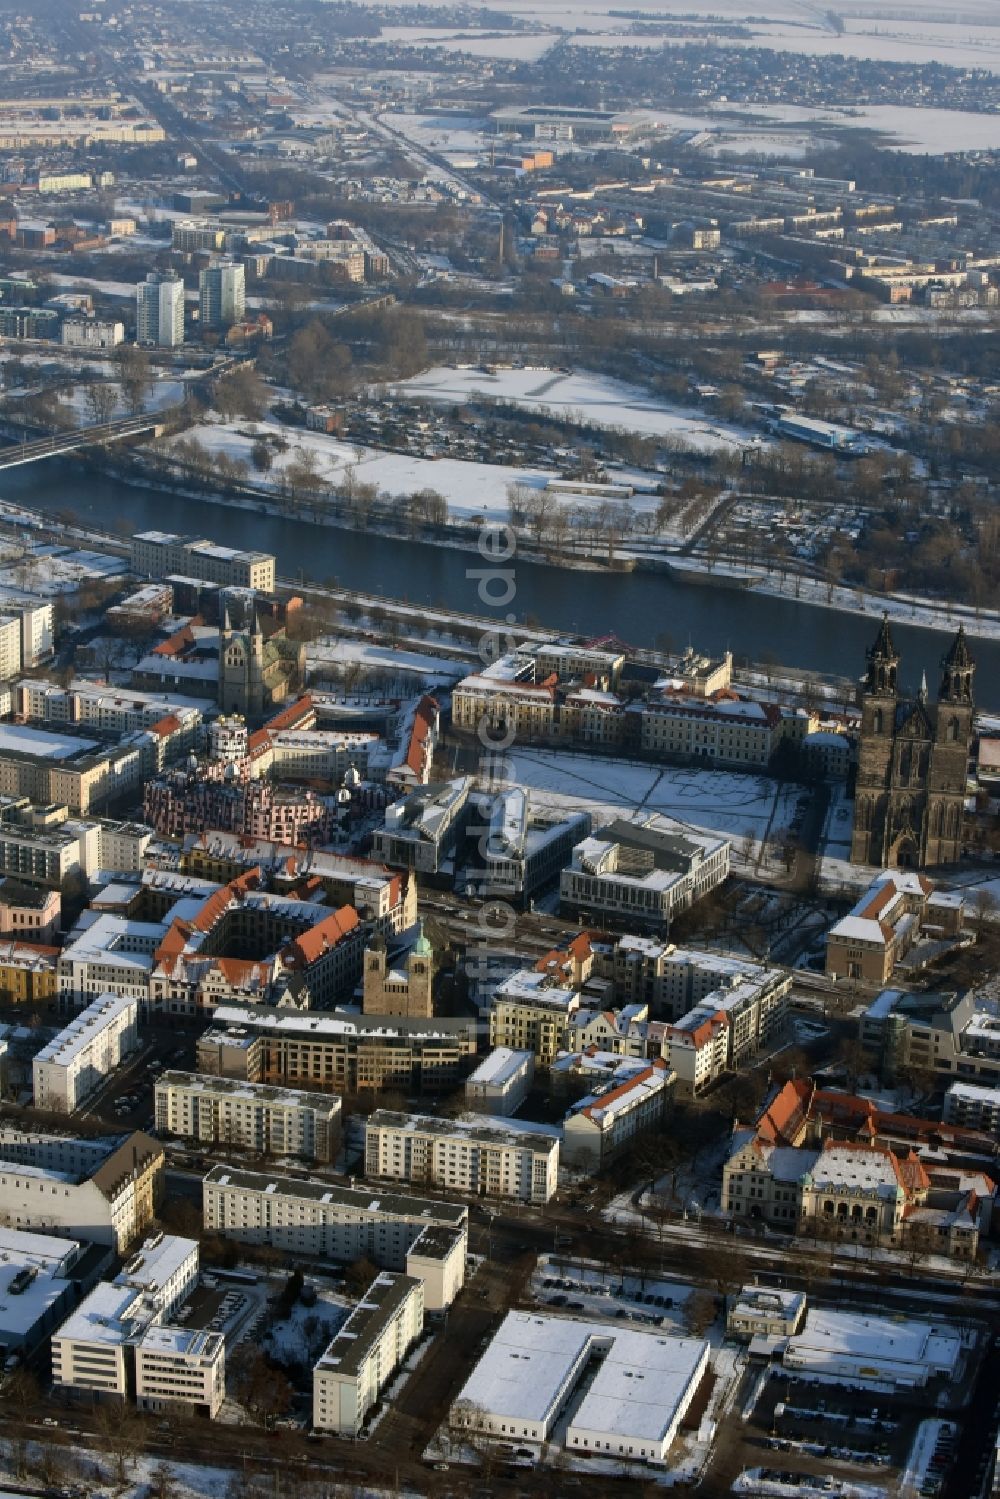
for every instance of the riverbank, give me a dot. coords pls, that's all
(644, 609)
(150, 471)
(900, 607)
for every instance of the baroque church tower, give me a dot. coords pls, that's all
(913, 761)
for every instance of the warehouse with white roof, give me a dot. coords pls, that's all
(636, 1386)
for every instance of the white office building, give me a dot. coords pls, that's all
(119, 1342)
(366, 1352)
(638, 872)
(249, 1116)
(76, 1062)
(501, 1082)
(477, 1155)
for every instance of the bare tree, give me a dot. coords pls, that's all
(101, 399)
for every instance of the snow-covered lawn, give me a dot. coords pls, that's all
(336, 654)
(301, 1338)
(713, 801)
(581, 398)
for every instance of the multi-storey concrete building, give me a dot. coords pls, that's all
(729, 1027)
(249, 1116)
(41, 1279)
(972, 1107)
(69, 1187)
(638, 872)
(602, 1125)
(531, 1011)
(40, 856)
(221, 295)
(943, 1036)
(672, 980)
(525, 847)
(91, 333)
(119, 1344)
(158, 554)
(423, 829)
(76, 1062)
(478, 1155)
(159, 310)
(340, 1051)
(111, 710)
(366, 1352)
(501, 1082)
(317, 1218)
(67, 769)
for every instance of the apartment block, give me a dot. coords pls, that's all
(316, 1218)
(39, 856)
(159, 310)
(973, 1107)
(366, 1352)
(65, 768)
(475, 1155)
(728, 1028)
(75, 1063)
(601, 1126)
(531, 1011)
(248, 1116)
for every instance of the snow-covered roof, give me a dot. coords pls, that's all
(500, 1066)
(640, 1385)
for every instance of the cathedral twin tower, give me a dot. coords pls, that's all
(913, 761)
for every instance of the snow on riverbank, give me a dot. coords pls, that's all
(471, 490)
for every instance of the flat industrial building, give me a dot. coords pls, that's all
(638, 1385)
(854, 1348)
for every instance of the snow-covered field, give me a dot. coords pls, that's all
(521, 46)
(710, 801)
(579, 398)
(913, 130)
(442, 132)
(470, 489)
